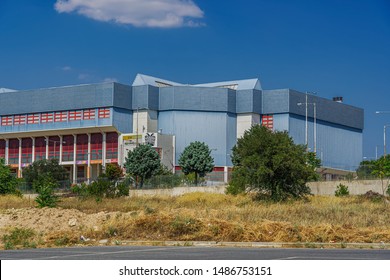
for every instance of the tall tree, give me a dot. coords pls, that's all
(8, 182)
(270, 163)
(43, 170)
(196, 159)
(143, 162)
(381, 169)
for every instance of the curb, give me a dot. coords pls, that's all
(307, 245)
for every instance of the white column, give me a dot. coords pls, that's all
(20, 159)
(174, 153)
(225, 174)
(47, 147)
(33, 149)
(61, 141)
(74, 159)
(6, 151)
(89, 158)
(104, 151)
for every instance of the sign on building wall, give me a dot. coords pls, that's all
(150, 139)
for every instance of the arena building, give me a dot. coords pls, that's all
(89, 126)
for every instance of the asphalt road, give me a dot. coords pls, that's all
(191, 253)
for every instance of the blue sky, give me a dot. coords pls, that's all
(334, 48)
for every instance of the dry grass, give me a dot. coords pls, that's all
(217, 217)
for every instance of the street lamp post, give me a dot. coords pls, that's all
(306, 123)
(384, 139)
(55, 143)
(384, 131)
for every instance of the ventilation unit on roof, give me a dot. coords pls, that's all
(338, 99)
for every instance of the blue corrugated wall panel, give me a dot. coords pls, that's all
(57, 99)
(337, 146)
(123, 120)
(217, 130)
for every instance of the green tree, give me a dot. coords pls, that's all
(142, 163)
(113, 172)
(271, 164)
(8, 182)
(381, 169)
(365, 169)
(44, 170)
(196, 159)
(45, 186)
(314, 162)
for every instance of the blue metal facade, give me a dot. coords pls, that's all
(200, 113)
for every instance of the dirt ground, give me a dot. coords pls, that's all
(49, 221)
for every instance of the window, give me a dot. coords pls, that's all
(268, 121)
(40, 148)
(46, 117)
(112, 145)
(75, 115)
(2, 148)
(26, 150)
(67, 148)
(89, 114)
(33, 118)
(96, 146)
(104, 113)
(20, 119)
(82, 147)
(7, 120)
(60, 116)
(13, 151)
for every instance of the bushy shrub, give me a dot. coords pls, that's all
(341, 190)
(8, 182)
(19, 237)
(102, 188)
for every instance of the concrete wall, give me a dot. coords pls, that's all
(317, 188)
(178, 191)
(354, 187)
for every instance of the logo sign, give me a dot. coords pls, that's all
(150, 138)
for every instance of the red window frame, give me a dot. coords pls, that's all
(112, 145)
(6, 120)
(2, 148)
(19, 119)
(67, 147)
(89, 114)
(54, 147)
(33, 118)
(27, 150)
(60, 116)
(13, 151)
(96, 146)
(75, 115)
(268, 121)
(40, 148)
(82, 147)
(104, 113)
(46, 117)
